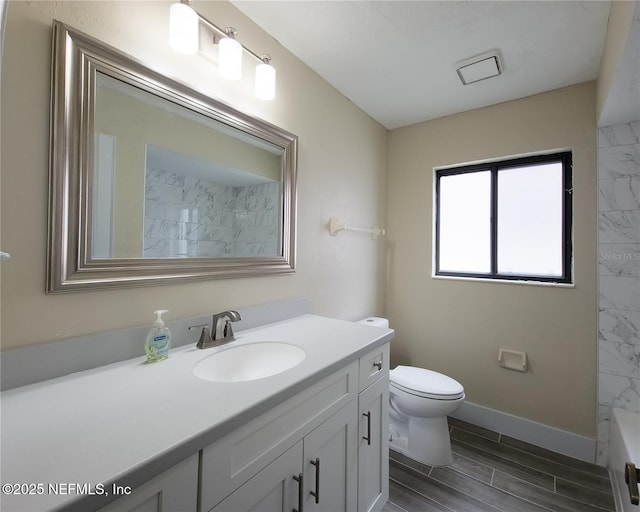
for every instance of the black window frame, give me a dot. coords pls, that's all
(566, 159)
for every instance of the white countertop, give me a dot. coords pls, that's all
(128, 421)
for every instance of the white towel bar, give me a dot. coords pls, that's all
(336, 226)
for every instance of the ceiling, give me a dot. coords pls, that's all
(622, 104)
(396, 60)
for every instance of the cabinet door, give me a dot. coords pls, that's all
(330, 463)
(175, 489)
(373, 447)
(273, 489)
(234, 459)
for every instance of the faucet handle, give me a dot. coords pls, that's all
(205, 336)
(197, 325)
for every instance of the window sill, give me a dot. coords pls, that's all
(504, 281)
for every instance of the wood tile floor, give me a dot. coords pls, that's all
(496, 473)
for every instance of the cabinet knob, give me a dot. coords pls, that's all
(378, 365)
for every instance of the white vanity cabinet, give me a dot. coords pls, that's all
(373, 444)
(317, 473)
(324, 449)
(312, 438)
(329, 442)
(323, 418)
(373, 449)
(175, 489)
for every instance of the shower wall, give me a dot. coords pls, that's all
(619, 275)
(188, 217)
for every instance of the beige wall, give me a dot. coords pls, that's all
(451, 326)
(138, 123)
(342, 172)
(618, 27)
(457, 327)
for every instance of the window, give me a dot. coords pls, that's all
(508, 220)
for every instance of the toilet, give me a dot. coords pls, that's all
(419, 402)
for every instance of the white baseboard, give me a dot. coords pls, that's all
(544, 436)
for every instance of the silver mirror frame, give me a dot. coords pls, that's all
(70, 267)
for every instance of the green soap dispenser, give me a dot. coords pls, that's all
(158, 340)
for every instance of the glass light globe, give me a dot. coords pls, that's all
(265, 82)
(183, 29)
(229, 58)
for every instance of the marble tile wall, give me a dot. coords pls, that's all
(619, 275)
(256, 220)
(190, 217)
(186, 217)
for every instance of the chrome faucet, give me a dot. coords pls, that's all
(221, 331)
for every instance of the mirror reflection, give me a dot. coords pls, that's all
(172, 183)
(153, 182)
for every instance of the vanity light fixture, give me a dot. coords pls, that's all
(184, 23)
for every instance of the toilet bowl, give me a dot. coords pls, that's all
(419, 402)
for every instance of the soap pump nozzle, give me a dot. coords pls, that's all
(159, 322)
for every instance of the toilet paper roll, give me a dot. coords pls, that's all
(375, 321)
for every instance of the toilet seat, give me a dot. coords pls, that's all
(425, 383)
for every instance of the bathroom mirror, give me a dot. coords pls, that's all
(152, 182)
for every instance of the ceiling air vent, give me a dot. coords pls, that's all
(480, 68)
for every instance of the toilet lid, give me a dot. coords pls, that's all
(419, 381)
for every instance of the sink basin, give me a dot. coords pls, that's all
(249, 362)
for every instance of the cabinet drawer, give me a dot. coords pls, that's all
(373, 365)
(238, 456)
